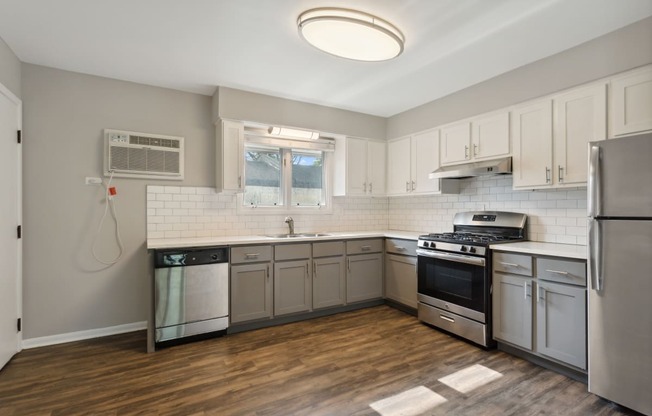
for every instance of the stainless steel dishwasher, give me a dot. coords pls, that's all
(191, 294)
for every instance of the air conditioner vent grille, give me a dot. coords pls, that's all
(143, 156)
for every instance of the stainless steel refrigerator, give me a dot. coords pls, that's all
(620, 269)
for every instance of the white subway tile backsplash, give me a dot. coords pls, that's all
(554, 215)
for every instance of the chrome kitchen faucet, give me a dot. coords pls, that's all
(290, 222)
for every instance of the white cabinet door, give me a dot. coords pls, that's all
(356, 166)
(401, 279)
(631, 102)
(425, 159)
(580, 117)
(561, 322)
(398, 166)
(490, 136)
(455, 143)
(532, 141)
(376, 172)
(512, 309)
(229, 171)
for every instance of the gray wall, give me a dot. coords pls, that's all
(9, 69)
(65, 289)
(243, 105)
(615, 52)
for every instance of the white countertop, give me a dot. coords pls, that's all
(164, 243)
(544, 249)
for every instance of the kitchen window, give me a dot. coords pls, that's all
(285, 179)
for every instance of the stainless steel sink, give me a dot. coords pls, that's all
(299, 235)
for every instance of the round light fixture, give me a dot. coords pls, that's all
(351, 34)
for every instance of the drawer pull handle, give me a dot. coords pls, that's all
(557, 272)
(365, 248)
(399, 248)
(509, 264)
(251, 255)
(446, 318)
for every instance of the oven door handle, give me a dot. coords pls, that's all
(459, 258)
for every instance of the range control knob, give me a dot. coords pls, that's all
(471, 249)
(463, 248)
(214, 257)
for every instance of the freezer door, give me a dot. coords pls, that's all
(620, 315)
(620, 177)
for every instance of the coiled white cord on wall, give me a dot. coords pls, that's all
(109, 201)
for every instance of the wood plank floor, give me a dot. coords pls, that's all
(336, 365)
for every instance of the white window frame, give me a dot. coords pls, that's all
(286, 189)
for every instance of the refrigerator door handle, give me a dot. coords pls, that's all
(595, 247)
(594, 185)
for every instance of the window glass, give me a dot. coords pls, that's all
(262, 177)
(307, 178)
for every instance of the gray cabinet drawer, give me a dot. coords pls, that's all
(564, 271)
(397, 246)
(251, 254)
(513, 263)
(364, 246)
(292, 252)
(328, 249)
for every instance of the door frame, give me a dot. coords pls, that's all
(19, 202)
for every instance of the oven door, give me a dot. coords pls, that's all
(454, 282)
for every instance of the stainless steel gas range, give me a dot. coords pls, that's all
(454, 272)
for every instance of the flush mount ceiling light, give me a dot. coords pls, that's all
(299, 134)
(351, 34)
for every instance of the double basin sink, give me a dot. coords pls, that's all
(299, 235)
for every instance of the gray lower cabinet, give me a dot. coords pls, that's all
(401, 279)
(364, 278)
(512, 309)
(561, 322)
(539, 305)
(328, 282)
(251, 292)
(292, 287)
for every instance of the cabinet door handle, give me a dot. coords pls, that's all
(446, 318)
(466, 152)
(475, 150)
(527, 290)
(365, 187)
(407, 186)
(547, 174)
(371, 184)
(413, 185)
(348, 264)
(557, 272)
(561, 173)
(268, 272)
(542, 294)
(307, 270)
(509, 264)
(239, 181)
(314, 269)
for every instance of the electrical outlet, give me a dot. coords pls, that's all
(93, 181)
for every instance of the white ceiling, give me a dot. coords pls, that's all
(196, 45)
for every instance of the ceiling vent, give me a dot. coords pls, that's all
(142, 155)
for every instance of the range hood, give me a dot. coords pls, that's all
(467, 170)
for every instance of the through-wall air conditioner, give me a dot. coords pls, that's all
(142, 155)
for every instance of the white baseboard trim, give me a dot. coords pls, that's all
(81, 335)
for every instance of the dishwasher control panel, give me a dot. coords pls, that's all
(191, 257)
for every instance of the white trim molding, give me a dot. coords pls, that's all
(81, 335)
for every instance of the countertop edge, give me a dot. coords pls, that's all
(544, 249)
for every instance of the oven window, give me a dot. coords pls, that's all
(458, 283)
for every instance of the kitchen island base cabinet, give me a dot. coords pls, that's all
(292, 287)
(251, 292)
(364, 277)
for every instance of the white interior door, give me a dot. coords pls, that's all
(10, 216)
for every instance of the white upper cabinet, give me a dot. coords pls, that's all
(360, 167)
(532, 142)
(631, 103)
(551, 136)
(479, 138)
(229, 170)
(580, 116)
(409, 162)
(456, 143)
(490, 136)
